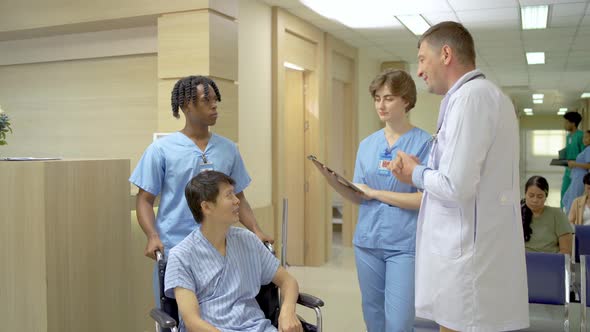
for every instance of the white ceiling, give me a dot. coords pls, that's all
(500, 44)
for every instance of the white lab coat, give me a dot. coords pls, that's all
(470, 258)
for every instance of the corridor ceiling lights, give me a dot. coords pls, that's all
(537, 101)
(292, 66)
(372, 13)
(534, 17)
(585, 95)
(355, 14)
(528, 111)
(538, 96)
(415, 23)
(535, 58)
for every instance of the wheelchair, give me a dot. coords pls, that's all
(166, 317)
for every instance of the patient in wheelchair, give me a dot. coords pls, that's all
(216, 272)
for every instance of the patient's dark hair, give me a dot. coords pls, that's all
(185, 91)
(527, 214)
(204, 188)
(586, 179)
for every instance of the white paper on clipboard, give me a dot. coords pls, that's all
(339, 177)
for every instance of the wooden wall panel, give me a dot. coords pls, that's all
(228, 120)
(87, 232)
(184, 44)
(65, 232)
(81, 109)
(22, 247)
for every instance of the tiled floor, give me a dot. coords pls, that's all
(337, 285)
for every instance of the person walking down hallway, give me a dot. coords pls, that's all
(574, 145)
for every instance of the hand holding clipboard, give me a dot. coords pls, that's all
(337, 176)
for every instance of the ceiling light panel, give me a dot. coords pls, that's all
(535, 58)
(415, 23)
(534, 17)
(373, 13)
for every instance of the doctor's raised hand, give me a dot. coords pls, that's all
(403, 166)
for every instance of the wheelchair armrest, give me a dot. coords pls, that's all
(162, 318)
(309, 301)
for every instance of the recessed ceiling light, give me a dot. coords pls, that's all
(538, 96)
(528, 110)
(537, 101)
(529, 114)
(415, 23)
(292, 66)
(534, 17)
(585, 95)
(360, 14)
(563, 109)
(535, 58)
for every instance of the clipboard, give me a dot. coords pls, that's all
(339, 177)
(559, 162)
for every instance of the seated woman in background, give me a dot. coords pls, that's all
(580, 209)
(546, 228)
(579, 168)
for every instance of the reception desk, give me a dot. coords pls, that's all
(64, 244)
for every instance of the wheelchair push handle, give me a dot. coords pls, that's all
(269, 246)
(159, 256)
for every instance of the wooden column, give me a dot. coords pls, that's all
(200, 42)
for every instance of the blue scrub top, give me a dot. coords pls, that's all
(380, 225)
(169, 163)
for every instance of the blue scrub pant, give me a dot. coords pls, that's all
(386, 279)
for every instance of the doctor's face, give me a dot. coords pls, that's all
(430, 66)
(535, 198)
(389, 108)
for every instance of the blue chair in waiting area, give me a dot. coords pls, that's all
(581, 246)
(548, 278)
(581, 241)
(584, 273)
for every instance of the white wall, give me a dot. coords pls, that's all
(255, 96)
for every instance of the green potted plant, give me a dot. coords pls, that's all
(4, 126)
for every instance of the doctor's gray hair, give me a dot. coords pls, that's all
(453, 34)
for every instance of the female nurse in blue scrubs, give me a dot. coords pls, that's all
(384, 239)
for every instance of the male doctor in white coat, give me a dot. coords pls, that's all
(470, 258)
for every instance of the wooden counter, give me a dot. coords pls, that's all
(64, 244)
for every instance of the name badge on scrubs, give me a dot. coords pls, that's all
(384, 161)
(205, 165)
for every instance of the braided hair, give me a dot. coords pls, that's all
(185, 91)
(527, 214)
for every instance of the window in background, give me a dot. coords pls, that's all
(547, 142)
